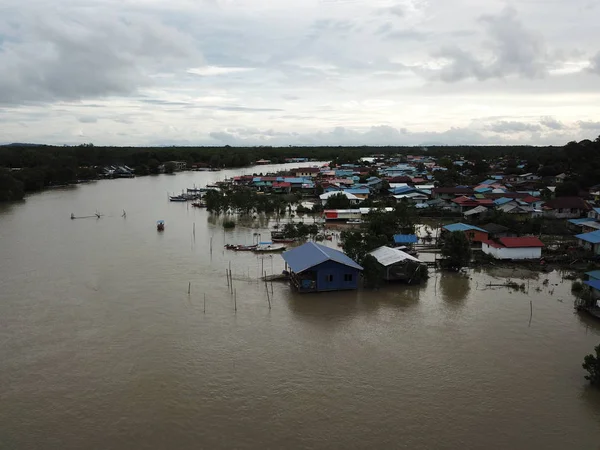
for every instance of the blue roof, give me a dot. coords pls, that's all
(483, 189)
(596, 210)
(405, 238)
(594, 274)
(488, 182)
(402, 190)
(580, 221)
(502, 201)
(358, 190)
(593, 237)
(294, 180)
(462, 227)
(312, 254)
(593, 284)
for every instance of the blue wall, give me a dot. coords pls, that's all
(338, 271)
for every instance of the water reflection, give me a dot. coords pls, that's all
(454, 287)
(591, 324)
(324, 308)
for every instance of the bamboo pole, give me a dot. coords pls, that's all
(189, 287)
(235, 299)
(205, 303)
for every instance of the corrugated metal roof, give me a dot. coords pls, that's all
(594, 274)
(521, 242)
(462, 227)
(593, 237)
(405, 238)
(595, 284)
(388, 256)
(312, 254)
(579, 221)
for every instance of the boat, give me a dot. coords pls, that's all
(178, 198)
(269, 247)
(240, 247)
(160, 225)
(285, 240)
(199, 205)
(354, 221)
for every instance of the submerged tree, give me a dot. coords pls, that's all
(338, 201)
(591, 363)
(456, 251)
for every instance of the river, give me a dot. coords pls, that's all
(101, 347)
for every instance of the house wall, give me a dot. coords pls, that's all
(476, 236)
(565, 213)
(595, 248)
(337, 271)
(512, 253)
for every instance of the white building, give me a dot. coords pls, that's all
(527, 247)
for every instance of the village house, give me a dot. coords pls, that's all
(566, 208)
(396, 264)
(448, 193)
(316, 268)
(525, 247)
(496, 231)
(473, 233)
(354, 200)
(594, 214)
(306, 172)
(589, 241)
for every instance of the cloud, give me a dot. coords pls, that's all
(513, 50)
(552, 123)
(81, 53)
(214, 70)
(588, 125)
(594, 66)
(87, 119)
(509, 127)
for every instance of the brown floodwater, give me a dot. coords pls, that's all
(101, 347)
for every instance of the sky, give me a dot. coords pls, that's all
(301, 72)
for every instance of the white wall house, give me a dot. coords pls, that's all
(514, 248)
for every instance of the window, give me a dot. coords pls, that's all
(348, 277)
(329, 278)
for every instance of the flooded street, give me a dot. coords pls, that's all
(101, 347)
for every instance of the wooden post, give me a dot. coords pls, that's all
(235, 299)
(194, 231)
(189, 287)
(205, 303)
(530, 311)
(227, 276)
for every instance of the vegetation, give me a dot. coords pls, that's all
(577, 287)
(372, 273)
(43, 165)
(299, 230)
(456, 251)
(379, 229)
(246, 201)
(338, 201)
(591, 363)
(228, 224)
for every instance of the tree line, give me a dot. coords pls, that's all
(25, 168)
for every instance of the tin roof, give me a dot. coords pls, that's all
(387, 256)
(462, 227)
(312, 254)
(593, 237)
(405, 238)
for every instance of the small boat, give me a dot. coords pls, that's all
(178, 198)
(354, 221)
(284, 240)
(160, 225)
(199, 205)
(269, 247)
(240, 247)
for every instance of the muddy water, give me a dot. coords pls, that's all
(102, 347)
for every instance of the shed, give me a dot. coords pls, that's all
(317, 268)
(474, 233)
(397, 265)
(526, 247)
(403, 239)
(590, 241)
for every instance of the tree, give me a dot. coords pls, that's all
(567, 189)
(372, 272)
(169, 167)
(456, 251)
(10, 187)
(591, 363)
(338, 201)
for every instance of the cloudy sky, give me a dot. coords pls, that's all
(301, 72)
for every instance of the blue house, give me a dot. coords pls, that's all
(317, 268)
